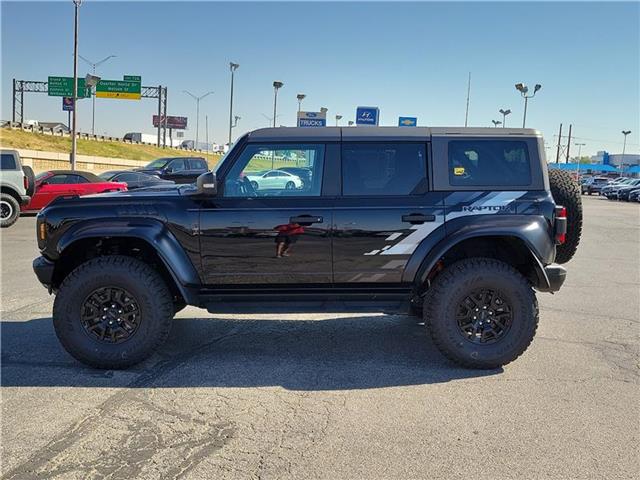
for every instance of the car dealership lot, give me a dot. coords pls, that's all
(334, 396)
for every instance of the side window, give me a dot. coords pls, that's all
(178, 165)
(372, 169)
(257, 171)
(489, 162)
(59, 179)
(78, 179)
(8, 162)
(127, 177)
(198, 164)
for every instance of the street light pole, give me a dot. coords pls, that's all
(300, 97)
(496, 123)
(233, 67)
(579, 145)
(93, 96)
(74, 140)
(504, 116)
(197, 99)
(276, 86)
(624, 146)
(523, 89)
(338, 117)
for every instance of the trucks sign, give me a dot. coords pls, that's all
(128, 89)
(179, 123)
(367, 116)
(312, 119)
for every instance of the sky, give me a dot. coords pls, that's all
(409, 59)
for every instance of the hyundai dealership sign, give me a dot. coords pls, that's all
(367, 116)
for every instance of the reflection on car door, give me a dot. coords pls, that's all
(267, 237)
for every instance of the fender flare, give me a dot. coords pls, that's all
(534, 233)
(151, 231)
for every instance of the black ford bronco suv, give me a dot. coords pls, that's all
(458, 225)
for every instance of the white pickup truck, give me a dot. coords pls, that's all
(17, 184)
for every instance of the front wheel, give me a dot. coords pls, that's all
(112, 312)
(481, 313)
(290, 186)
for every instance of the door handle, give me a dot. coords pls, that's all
(305, 220)
(418, 218)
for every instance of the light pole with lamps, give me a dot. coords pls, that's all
(197, 99)
(276, 86)
(93, 93)
(338, 117)
(624, 146)
(496, 123)
(74, 132)
(300, 97)
(504, 116)
(523, 89)
(233, 67)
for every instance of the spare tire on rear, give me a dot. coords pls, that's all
(566, 192)
(31, 179)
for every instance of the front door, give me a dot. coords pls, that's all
(267, 229)
(384, 213)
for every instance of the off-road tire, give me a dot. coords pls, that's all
(566, 192)
(452, 285)
(149, 291)
(31, 179)
(11, 208)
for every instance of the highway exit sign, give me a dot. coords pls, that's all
(129, 88)
(63, 87)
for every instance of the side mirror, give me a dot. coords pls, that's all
(168, 170)
(207, 184)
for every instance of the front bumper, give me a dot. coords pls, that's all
(43, 269)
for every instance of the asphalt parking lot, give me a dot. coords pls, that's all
(335, 396)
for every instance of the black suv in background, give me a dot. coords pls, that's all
(457, 225)
(176, 169)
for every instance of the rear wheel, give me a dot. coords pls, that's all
(566, 192)
(9, 210)
(112, 312)
(481, 313)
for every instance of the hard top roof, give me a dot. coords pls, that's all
(297, 134)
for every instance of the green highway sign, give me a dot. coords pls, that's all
(129, 88)
(63, 87)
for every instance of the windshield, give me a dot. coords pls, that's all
(158, 163)
(42, 175)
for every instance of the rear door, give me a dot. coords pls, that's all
(384, 212)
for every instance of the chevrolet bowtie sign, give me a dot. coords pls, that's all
(407, 121)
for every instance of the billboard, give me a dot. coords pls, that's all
(179, 123)
(367, 116)
(67, 104)
(312, 119)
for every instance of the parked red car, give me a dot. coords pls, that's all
(56, 183)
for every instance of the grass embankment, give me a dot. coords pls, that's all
(49, 143)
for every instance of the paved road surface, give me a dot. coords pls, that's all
(334, 396)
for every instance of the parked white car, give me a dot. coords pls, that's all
(274, 179)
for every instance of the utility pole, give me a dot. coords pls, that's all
(559, 139)
(74, 132)
(568, 143)
(466, 114)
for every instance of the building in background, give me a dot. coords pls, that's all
(616, 159)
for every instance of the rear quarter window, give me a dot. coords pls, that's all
(8, 162)
(484, 163)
